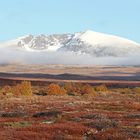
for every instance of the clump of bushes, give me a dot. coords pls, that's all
(73, 88)
(101, 88)
(24, 89)
(68, 86)
(79, 89)
(76, 89)
(88, 90)
(55, 89)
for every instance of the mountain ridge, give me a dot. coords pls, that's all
(88, 42)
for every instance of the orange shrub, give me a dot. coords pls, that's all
(55, 89)
(87, 89)
(17, 90)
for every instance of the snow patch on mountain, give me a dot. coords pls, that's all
(88, 42)
(95, 38)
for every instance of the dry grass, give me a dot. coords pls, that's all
(114, 117)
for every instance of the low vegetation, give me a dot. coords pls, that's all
(23, 89)
(73, 89)
(55, 89)
(62, 111)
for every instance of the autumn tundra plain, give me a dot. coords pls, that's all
(54, 102)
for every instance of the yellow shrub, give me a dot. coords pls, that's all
(26, 88)
(101, 88)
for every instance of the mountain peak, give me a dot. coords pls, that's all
(95, 38)
(88, 42)
(25, 36)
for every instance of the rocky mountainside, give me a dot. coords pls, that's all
(88, 42)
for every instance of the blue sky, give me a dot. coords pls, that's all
(21, 17)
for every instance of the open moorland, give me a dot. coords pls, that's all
(35, 107)
(122, 76)
(110, 115)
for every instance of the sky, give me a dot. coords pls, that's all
(22, 17)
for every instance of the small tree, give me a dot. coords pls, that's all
(26, 88)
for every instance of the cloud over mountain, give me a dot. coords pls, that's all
(80, 48)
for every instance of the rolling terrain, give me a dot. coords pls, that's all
(110, 75)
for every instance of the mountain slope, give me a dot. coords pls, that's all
(98, 44)
(89, 42)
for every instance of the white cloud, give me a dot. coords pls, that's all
(18, 56)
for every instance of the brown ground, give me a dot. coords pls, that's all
(104, 117)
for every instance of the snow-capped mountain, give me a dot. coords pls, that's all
(89, 42)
